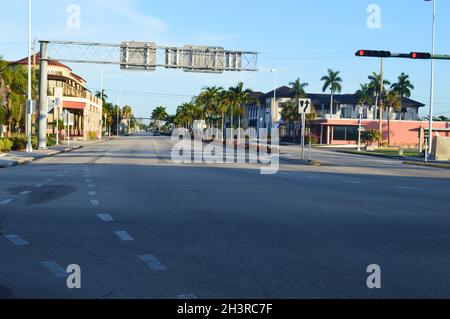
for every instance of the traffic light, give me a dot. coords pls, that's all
(420, 56)
(372, 53)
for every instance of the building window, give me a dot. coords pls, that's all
(345, 133)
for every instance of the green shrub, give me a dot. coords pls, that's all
(51, 140)
(5, 145)
(370, 136)
(19, 142)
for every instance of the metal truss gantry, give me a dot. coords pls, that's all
(145, 56)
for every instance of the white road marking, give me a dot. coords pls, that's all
(90, 185)
(38, 185)
(88, 181)
(49, 180)
(7, 201)
(25, 193)
(187, 297)
(105, 217)
(92, 193)
(407, 188)
(352, 182)
(124, 236)
(17, 240)
(152, 262)
(94, 202)
(54, 268)
(313, 177)
(59, 175)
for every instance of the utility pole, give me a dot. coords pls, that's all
(29, 110)
(431, 113)
(381, 99)
(117, 113)
(274, 111)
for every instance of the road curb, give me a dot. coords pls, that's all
(393, 157)
(27, 160)
(433, 165)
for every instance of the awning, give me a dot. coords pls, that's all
(74, 105)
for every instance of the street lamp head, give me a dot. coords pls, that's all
(273, 70)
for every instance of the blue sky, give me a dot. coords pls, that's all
(299, 38)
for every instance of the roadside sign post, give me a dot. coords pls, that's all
(304, 106)
(360, 113)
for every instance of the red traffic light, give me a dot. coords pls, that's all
(420, 56)
(372, 53)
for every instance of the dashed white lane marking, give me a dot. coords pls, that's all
(54, 268)
(313, 177)
(88, 181)
(92, 193)
(90, 185)
(38, 185)
(94, 202)
(187, 297)
(124, 236)
(17, 240)
(59, 175)
(25, 193)
(49, 180)
(352, 182)
(105, 217)
(152, 262)
(6, 201)
(407, 188)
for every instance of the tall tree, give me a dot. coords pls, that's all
(392, 100)
(363, 95)
(289, 113)
(238, 98)
(403, 87)
(333, 82)
(159, 114)
(297, 92)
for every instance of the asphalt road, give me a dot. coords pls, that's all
(221, 231)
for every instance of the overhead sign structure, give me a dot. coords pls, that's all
(138, 56)
(305, 106)
(145, 56)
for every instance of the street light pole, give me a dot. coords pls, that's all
(29, 110)
(101, 90)
(274, 95)
(117, 113)
(431, 113)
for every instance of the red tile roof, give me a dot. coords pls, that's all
(24, 61)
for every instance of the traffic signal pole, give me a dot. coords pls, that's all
(414, 56)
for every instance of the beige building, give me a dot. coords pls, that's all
(67, 92)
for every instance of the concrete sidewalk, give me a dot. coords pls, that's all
(16, 158)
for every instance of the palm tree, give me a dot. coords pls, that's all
(403, 87)
(101, 95)
(289, 113)
(297, 92)
(209, 99)
(127, 114)
(332, 81)
(375, 87)
(15, 82)
(159, 114)
(363, 95)
(238, 98)
(222, 108)
(392, 99)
